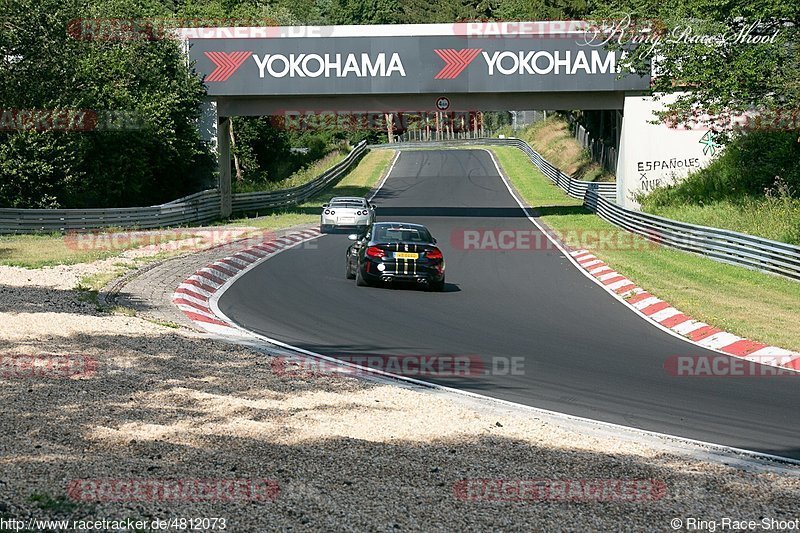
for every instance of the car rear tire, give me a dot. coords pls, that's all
(348, 270)
(436, 286)
(360, 281)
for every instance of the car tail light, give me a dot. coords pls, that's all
(333, 212)
(374, 251)
(434, 254)
(327, 211)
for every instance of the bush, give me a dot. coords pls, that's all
(753, 187)
(751, 165)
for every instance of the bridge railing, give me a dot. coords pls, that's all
(197, 208)
(722, 245)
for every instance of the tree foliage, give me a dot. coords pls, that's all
(42, 67)
(153, 154)
(703, 49)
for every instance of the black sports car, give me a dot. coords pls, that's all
(395, 251)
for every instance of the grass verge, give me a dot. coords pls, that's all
(757, 306)
(776, 218)
(37, 251)
(752, 187)
(301, 177)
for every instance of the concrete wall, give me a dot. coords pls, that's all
(653, 155)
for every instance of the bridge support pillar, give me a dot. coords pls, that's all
(655, 155)
(224, 165)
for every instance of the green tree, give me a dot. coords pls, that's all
(724, 75)
(156, 155)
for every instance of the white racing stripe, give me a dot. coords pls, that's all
(684, 328)
(664, 314)
(647, 302)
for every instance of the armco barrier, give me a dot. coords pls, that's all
(196, 208)
(721, 245)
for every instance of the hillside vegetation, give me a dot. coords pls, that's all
(752, 187)
(552, 138)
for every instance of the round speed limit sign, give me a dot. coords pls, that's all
(442, 103)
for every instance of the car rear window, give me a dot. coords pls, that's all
(347, 204)
(400, 234)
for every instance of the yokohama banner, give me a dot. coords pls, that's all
(406, 65)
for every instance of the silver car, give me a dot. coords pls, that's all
(346, 213)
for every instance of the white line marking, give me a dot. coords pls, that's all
(194, 289)
(388, 173)
(684, 328)
(641, 304)
(205, 281)
(194, 299)
(190, 309)
(617, 284)
(773, 350)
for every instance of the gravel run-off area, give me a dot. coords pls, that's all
(159, 407)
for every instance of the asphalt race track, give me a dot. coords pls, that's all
(584, 352)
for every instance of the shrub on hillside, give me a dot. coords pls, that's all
(750, 165)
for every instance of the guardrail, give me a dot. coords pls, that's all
(575, 188)
(197, 208)
(722, 245)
